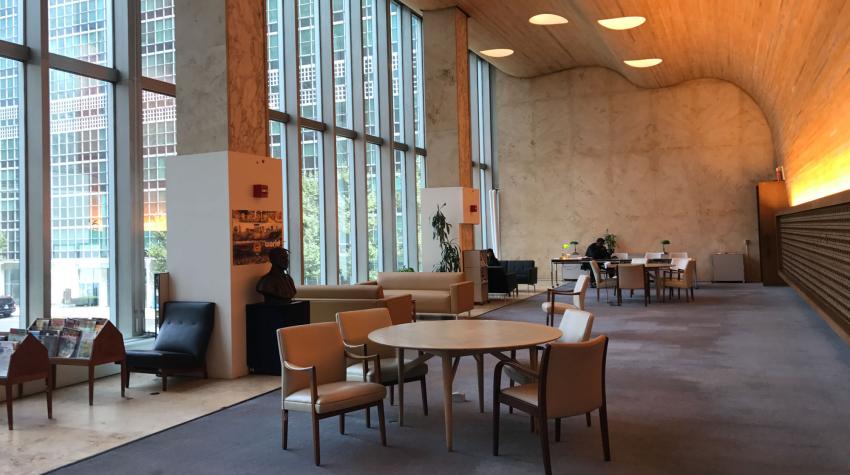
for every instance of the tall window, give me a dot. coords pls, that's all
(418, 86)
(81, 29)
(420, 184)
(345, 211)
(482, 150)
(370, 68)
(309, 69)
(312, 209)
(373, 210)
(400, 209)
(342, 64)
(79, 194)
(159, 138)
(11, 168)
(395, 40)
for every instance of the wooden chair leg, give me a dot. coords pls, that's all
(392, 395)
(284, 428)
(558, 429)
(532, 424)
(20, 390)
(496, 411)
(424, 388)
(479, 363)
(382, 423)
(315, 420)
(164, 382)
(9, 405)
(342, 424)
(603, 425)
(511, 384)
(123, 376)
(544, 444)
(597, 292)
(91, 385)
(49, 393)
(587, 418)
(692, 294)
(368, 417)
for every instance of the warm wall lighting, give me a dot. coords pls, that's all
(824, 177)
(623, 23)
(547, 19)
(643, 63)
(497, 52)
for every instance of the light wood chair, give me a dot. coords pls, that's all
(313, 379)
(355, 326)
(632, 277)
(602, 282)
(571, 382)
(579, 292)
(686, 280)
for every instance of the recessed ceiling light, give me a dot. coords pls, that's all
(547, 19)
(643, 63)
(497, 52)
(623, 23)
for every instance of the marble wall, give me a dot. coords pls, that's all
(584, 150)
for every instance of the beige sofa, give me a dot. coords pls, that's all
(444, 293)
(327, 300)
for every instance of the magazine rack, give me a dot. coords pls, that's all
(29, 362)
(107, 348)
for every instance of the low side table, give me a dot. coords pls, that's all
(262, 321)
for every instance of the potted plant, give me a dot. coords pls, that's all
(664, 245)
(574, 244)
(610, 241)
(449, 252)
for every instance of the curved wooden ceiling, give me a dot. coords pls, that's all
(793, 57)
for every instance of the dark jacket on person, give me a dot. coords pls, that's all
(597, 251)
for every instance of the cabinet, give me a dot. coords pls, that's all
(475, 268)
(262, 321)
(727, 267)
(772, 197)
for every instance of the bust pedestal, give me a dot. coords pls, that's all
(261, 323)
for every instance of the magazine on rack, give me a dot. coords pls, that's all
(69, 338)
(6, 350)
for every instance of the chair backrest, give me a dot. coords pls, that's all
(653, 255)
(573, 380)
(186, 328)
(366, 292)
(317, 344)
(639, 260)
(419, 280)
(678, 255)
(582, 283)
(620, 255)
(678, 263)
(575, 326)
(631, 276)
(597, 273)
(355, 326)
(690, 272)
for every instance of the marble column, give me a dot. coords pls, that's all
(447, 116)
(222, 146)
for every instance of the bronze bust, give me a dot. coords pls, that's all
(277, 286)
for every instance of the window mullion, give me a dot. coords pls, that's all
(327, 190)
(360, 210)
(407, 136)
(385, 105)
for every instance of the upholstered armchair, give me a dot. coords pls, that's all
(181, 346)
(632, 277)
(682, 280)
(313, 362)
(499, 281)
(551, 307)
(570, 382)
(525, 271)
(355, 326)
(602, 281)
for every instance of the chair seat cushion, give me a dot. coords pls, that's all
(676, 283)
(560, 307)
(336, 396)
(389, 371)
(427, 301)
(526, 393)
(606, 284)
(161, 359)
(518, 376)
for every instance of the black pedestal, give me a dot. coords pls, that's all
(261, 323)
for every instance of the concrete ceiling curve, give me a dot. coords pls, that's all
(791, 56)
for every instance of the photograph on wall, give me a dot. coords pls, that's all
(254, 234)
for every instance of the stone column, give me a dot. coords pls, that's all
(447, 116)
(222, 146)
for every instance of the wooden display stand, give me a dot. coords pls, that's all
(29, 362)
(108, 347)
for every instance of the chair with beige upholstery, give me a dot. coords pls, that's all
(632, 277)
(602, 281)
(654, 255)
(313, 379)
(678, 255)
(355, 327)
(570, 382)
(551, 307)
(686, 280)
(436, 293)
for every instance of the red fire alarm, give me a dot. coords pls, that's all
(473, 208)
(261, 191)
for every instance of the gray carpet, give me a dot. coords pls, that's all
(746, 380)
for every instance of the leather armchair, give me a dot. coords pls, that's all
(525, 271)
(355, 327)
(571, 382)
(500, 281)
(551, 307)
(181, 346)
(313, 379)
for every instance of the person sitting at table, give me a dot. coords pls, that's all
(596, 251)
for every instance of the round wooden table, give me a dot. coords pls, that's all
(454, 338)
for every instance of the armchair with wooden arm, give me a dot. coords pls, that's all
(313, 379)
(551, 307)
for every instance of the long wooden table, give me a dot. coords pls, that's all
(455, 338)
(656, 270)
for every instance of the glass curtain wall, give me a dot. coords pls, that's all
(483, 176)
(358, 153)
